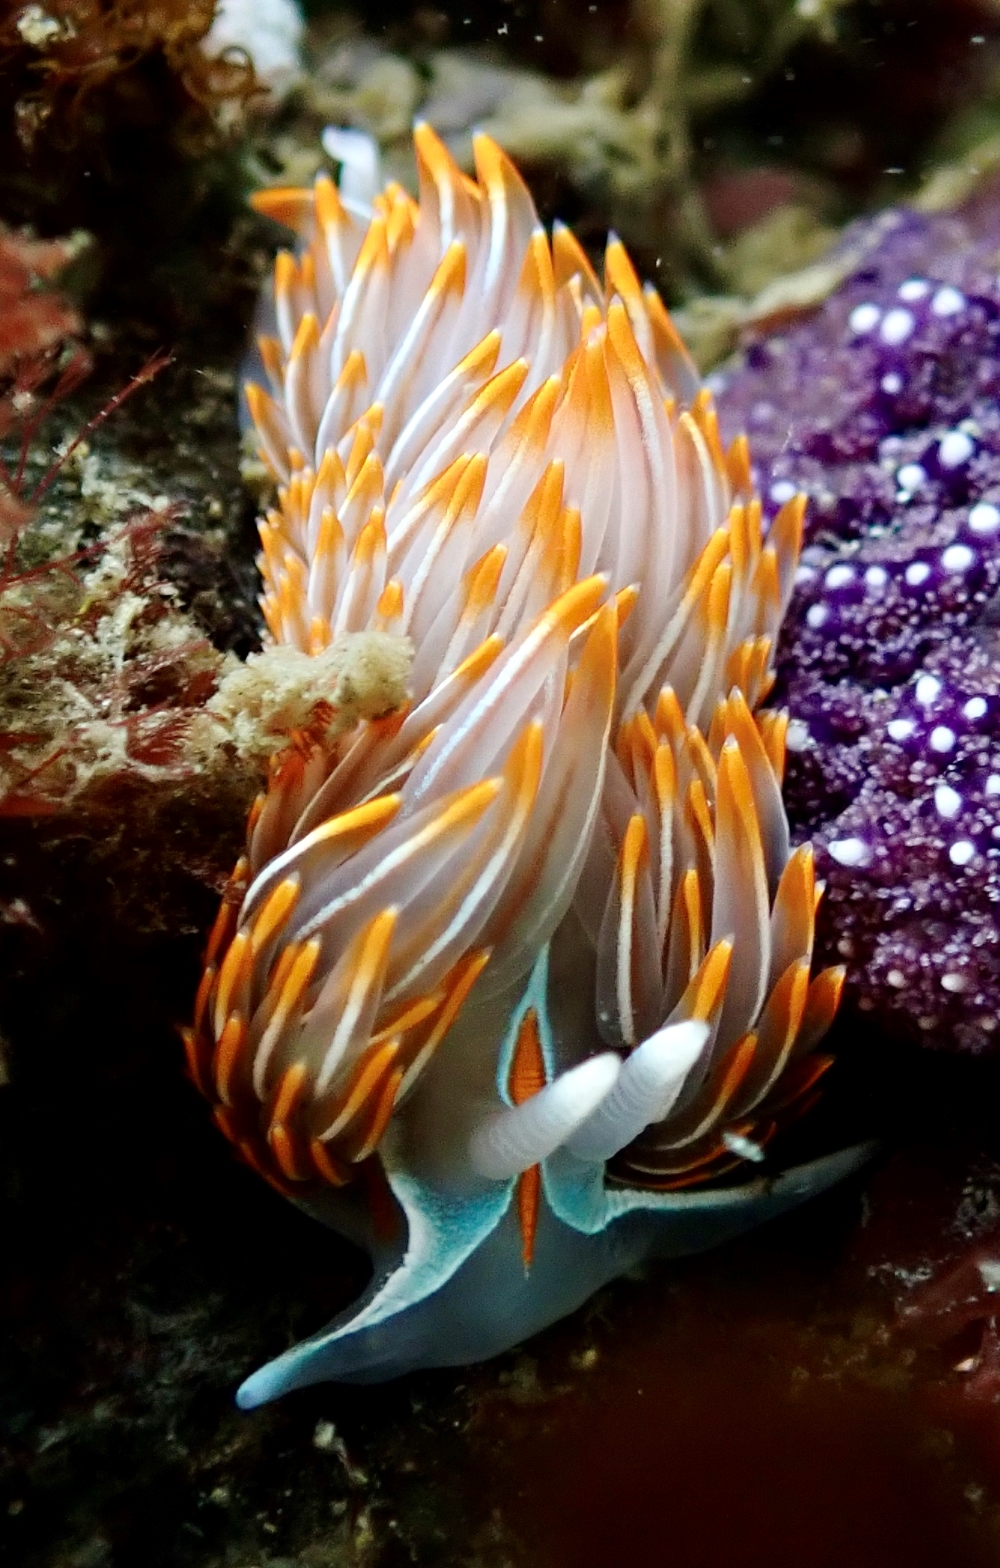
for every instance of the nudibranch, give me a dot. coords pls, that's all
(512, 986)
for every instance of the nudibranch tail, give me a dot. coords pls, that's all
(533, 953)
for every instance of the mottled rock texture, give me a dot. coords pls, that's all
(883, 406)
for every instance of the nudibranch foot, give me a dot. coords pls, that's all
(490, 1301)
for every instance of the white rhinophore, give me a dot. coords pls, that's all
(646, 1090)
(510, 1141)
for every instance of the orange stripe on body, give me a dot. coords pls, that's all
(526, 1078)
(529, 1196)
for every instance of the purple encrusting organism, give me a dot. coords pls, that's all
(885, 407)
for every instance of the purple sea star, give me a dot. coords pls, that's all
(885, 407)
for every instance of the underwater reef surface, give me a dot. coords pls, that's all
(883, 406)
(764, 1401)
(760, 1406)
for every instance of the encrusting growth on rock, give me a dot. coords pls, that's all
(883, 406)
(361, 675)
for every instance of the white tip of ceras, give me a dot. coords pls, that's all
(361, 173)
(645, 1091)
(511, 1141)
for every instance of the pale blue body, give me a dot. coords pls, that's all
(453, 1288)
(461, 1293)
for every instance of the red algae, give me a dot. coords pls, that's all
(38, 342)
